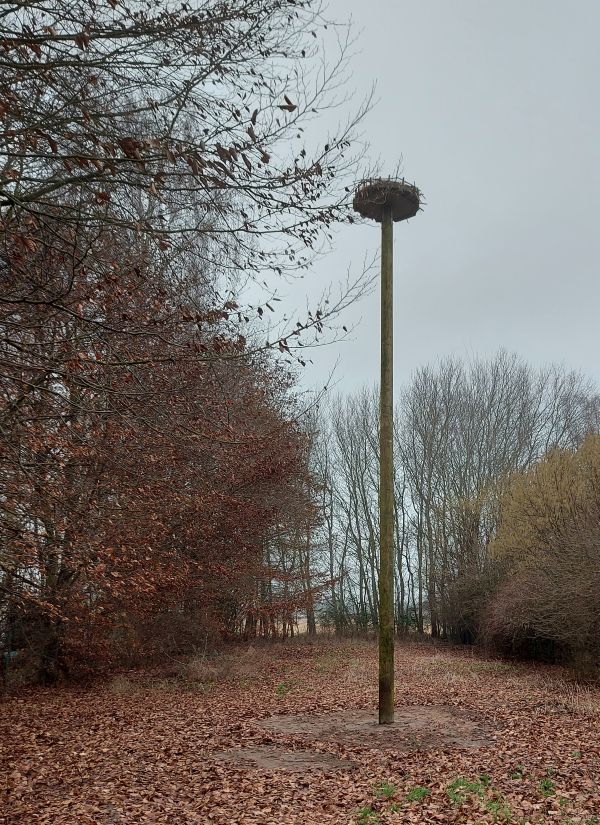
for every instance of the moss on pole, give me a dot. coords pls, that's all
(386, 477)
(386, 201)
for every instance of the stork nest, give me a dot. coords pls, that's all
(373, 197)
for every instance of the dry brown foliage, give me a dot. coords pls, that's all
(145, 753)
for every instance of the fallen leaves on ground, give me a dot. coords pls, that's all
(147, 747)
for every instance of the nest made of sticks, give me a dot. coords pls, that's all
(375, 195)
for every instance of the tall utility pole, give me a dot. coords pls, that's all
(386, 201)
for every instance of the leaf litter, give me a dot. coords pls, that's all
(475, 741)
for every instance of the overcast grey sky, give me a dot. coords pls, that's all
(493, 107)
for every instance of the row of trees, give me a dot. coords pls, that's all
(160, 172)
(469, 440)
(157, 178)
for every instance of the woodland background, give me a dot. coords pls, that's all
(165, 485)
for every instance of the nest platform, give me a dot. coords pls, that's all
(373, 197)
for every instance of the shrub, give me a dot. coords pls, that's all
(546, 605)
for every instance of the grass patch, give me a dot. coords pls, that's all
(491, 801)
(385, 790)
(499, 809)
(329, 663)
(203, 670)
(121, 686)
(565, 695)
(499, 668)
(461, 667)
(460, 788)
(418, 794)
(547, 787)
(367, 816)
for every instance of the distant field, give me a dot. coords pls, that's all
(287, 734)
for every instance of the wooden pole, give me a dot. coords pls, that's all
(386, 479)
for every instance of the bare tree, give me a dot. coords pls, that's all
(462, 430)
